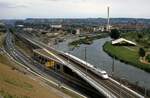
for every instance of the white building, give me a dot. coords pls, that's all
(100, 28)
(28, 29)
(123, 41)
(20, 26)
(77, 31)
(56, 26)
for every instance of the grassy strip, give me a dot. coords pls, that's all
(87, 40)
(81, 41)
(125, 55)
(73, 95)
(1, 38)
(8, 95)
(17, 83)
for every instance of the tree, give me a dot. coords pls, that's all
(12, 30)
(140, 35)
(114, 34)
(148, 58)
(141, 52)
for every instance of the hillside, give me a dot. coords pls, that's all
(18, 83)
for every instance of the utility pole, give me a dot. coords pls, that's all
(113, 67)
(68, 56)
(85, 59)
(145, 91)
(120, 89)
(137, 83)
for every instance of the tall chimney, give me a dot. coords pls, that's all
(108, 19)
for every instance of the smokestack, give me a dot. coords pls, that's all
(108, 19)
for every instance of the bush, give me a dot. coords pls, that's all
(148, 58)
(141, 52)
(125, 55)
(115, 34)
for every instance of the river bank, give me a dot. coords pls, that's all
(134, 86)
(126, 55)
(88, 39)
(97, 57)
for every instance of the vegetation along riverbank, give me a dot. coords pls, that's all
(130, 47)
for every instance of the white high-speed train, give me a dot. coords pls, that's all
(98, 72)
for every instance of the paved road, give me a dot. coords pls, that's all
(35, 66)
(113, 87)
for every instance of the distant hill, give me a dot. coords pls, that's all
(94, 21)
(82, 21)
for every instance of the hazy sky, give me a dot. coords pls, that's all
(14, 9)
